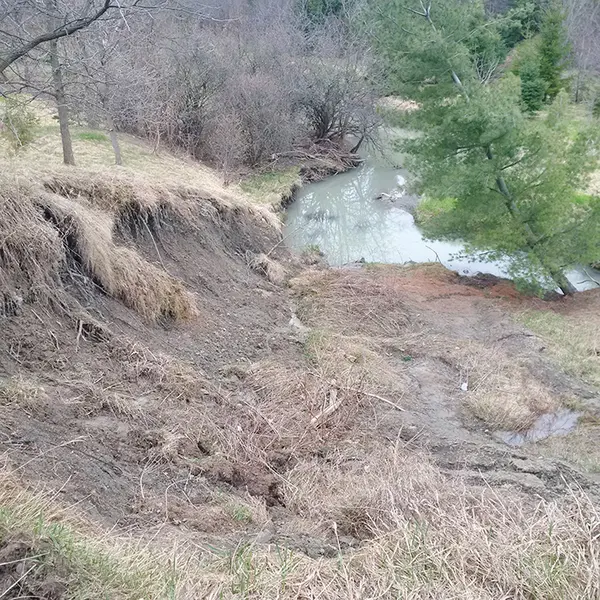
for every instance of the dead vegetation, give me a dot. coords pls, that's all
(266, 266)
(72, 225)
(34, 252)
(304, 466)
(352, 302)
(502, 393)
(424, 537)
(30, 251)
(120, 272)
(23, 394)
(49, 553)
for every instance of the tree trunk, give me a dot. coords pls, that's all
(563, 284)
(61, 103)
(114, 140)
(558, 275)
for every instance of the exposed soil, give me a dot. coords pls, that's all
(148, 427)
(21, 575)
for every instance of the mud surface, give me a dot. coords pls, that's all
(147, 428)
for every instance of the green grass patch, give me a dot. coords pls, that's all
(585, 200)
(432, 208)
(271, 187)
(90, 567)
(92, 136)
(574, 345)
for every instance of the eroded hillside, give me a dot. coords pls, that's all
(191, 412)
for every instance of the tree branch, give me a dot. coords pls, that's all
(6, 59)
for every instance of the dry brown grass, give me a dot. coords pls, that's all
(432, 537)
(179, 380)
(31, 253)
(268, 267)
(58, 546)
(425, 537)
(298, 405)
(26, 394)
(147, 179)
(119, 271)
(89, 202)
(502, 392)
(356, 363)
(352, 302)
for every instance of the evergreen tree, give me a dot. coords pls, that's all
(521, 22)
(554, 49)
(513, 178)
(533, 87)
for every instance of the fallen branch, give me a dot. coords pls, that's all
(329, 410)
(381, 398)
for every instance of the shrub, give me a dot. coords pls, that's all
(18, 123)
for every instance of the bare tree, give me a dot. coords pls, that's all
(233, 84)
(61, 104)
(15, 15)
(59, 86)
(583, 27)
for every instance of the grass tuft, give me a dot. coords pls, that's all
(273, 187)
(574, 344)
(23, 393)
(268, 267)
(501, 392)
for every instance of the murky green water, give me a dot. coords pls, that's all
(349, 220)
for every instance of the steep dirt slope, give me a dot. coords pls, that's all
(169, 373)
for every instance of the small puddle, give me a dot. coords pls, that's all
(561, 422)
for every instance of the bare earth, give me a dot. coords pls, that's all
(291, 409)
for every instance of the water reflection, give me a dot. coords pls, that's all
(561, 422)
(365, 214)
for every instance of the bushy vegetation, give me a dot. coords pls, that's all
(18, 122)
(234, 84)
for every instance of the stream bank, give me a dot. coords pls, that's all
(278, 184)
(365, 214)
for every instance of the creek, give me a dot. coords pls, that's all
(366, 215)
